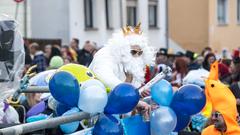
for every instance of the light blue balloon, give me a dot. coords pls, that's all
(162, 93)
(163, 121)
(93, 99)
(70, 127)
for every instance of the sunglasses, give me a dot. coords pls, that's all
(135, 52)
(216, 115)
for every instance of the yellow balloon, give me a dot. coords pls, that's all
(81, 72)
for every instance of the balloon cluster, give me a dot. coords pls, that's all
(175, 110)
(75, 89)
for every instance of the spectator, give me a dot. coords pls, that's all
(67, 60)
(85, 55)
(190, 59)
(39, 58)
(161, 62)
(235, 69)
(223, 73)
(235, 78)
(161, 57)
(66, 54)
(74, 49)
(181, 70)
(47, 53)
(206, 51)
(55, 52)
(208, 60)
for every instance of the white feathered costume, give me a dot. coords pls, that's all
(112, 61)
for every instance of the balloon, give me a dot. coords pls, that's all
(36, 118)
(122, 99)
(52, 103)
(65, 88)
(70, 127)
(163, 121)
(81, 72)
(93, 99)
(61, 108)
(196, 77)
(189, 100)
(135, 125)
(107, 125)
(37, 109)
(182, 121)
(92, 82)
(162, 93)
(41, 79)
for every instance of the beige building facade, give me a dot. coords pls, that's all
(195, 24)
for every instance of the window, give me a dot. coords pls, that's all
(131, 16)
(152, 15)
(108, 6)
(222, 11)
(88, 10)
(238, 11)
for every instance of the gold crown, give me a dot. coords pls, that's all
(128, 30)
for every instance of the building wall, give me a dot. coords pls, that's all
(188, 23)
(224, 36)
(50, 19)
(101, 34)
(64, 19)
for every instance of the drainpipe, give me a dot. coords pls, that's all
(166, 23)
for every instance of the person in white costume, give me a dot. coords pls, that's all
(123, 59)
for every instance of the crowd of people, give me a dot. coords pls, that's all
(54, 56)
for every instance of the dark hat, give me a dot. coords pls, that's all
(189, 54)
(162, 51)
(179, 54)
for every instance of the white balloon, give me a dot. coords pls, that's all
(52, 103)
(93, 99)
(91, 82)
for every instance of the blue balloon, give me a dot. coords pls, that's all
(163, 121)
(61, 109)
(182, 122)
(64, 88)
(188, 100)
(162, 93)
(73, 126)
(108, 125)
(135, 125)
(122, 99)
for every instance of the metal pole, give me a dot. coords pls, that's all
(157, 78)
(43, 124)
(167, 26)
(36, 89)
(16, 11)
(25, 19)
